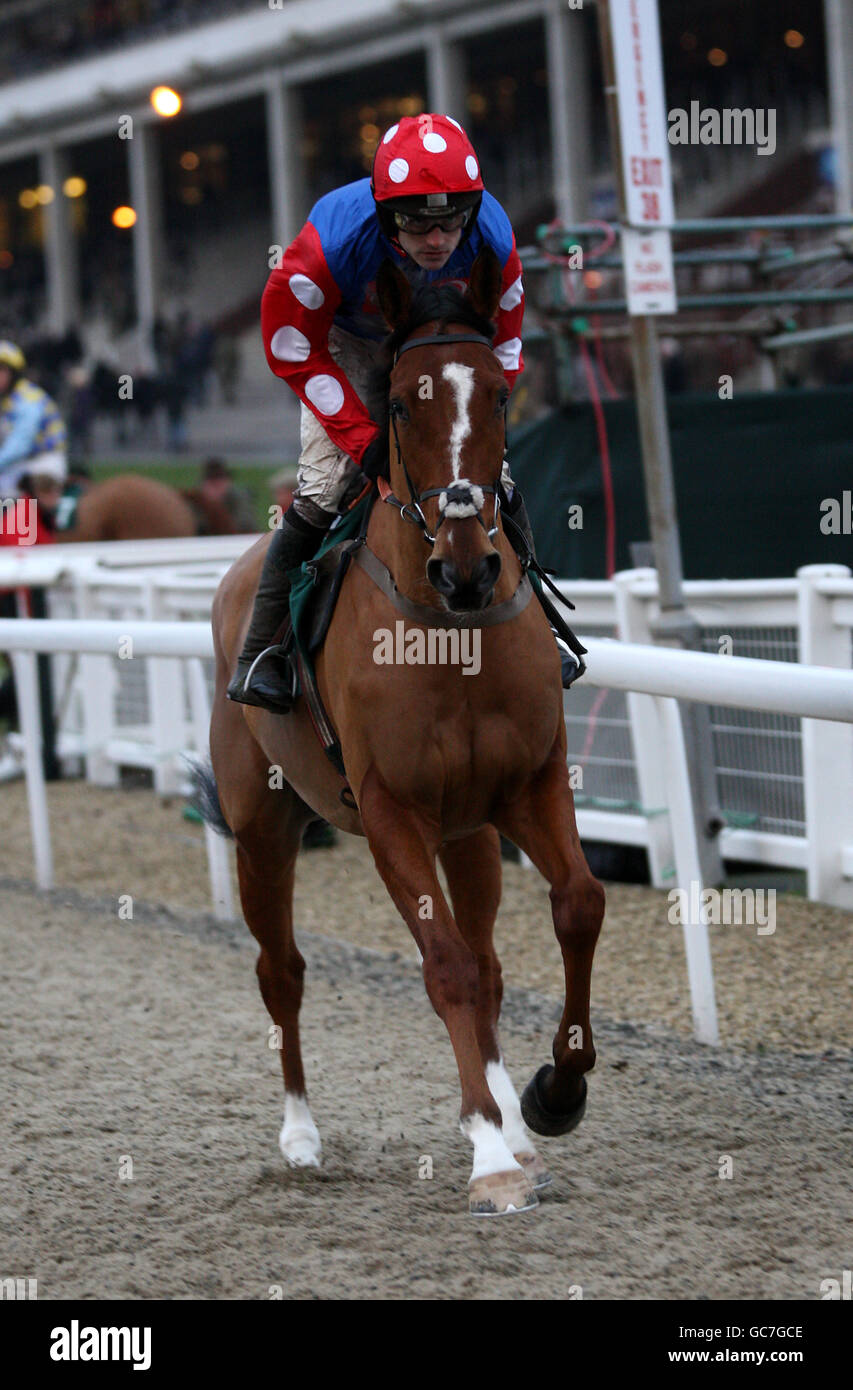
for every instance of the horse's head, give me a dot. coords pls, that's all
(447, 398)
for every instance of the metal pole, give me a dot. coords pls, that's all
(839, 41)
(807, 335)
(26, 685)
(676, 625)
(748, 300)
(708, 226)
(669, 329)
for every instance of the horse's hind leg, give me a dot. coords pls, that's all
(267, 848)
(542, 823)
(473, 868)
(404, 846)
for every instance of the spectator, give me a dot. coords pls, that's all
(217, 483)
(31, 427)
(226, 362)
(77, 402)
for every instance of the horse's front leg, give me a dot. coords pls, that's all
(404, 846)
(473, 868)
(542, 823)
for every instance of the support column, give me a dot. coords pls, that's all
(447, 86)
(288, 192)
(838, 24)
(569, 108)
(146, 199)
(63, 286)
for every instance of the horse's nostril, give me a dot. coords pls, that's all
(484, 575)
(442, 576)
(492, 564)
(471, 590)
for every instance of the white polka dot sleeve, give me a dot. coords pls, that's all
(297, 311)
(507, 341)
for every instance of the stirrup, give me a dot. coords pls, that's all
(277, 695)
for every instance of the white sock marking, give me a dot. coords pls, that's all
(500, 1084)
(462, 383)
(492, 1154)
(299, 1139)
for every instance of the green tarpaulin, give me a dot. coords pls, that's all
(751, 475)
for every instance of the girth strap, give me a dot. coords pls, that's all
(436, 617)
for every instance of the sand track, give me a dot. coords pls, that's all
(148, 1039)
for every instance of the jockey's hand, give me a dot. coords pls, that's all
(374, 461)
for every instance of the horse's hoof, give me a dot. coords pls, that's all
(300, 1146)
(543, 1121)
(301, 1153)
(534, 1169)
(497, 1194)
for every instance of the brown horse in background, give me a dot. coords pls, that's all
(133, 507)
(438, 762)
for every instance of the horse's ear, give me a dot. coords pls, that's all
(484, 285)
(394, 294)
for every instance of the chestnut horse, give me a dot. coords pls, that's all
(133, 507)
(130, 507)
(438, 761)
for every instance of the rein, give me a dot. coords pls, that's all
(459, 499)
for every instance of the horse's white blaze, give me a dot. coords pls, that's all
(492, 1154)
(461, 380)
(500, 1084)
(299, 1139)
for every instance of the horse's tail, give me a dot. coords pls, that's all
(205, 798)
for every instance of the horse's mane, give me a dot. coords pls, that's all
(440, 304)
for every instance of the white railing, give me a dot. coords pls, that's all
(659, 674)
(797, 780)
(111, 714)
(783, 785)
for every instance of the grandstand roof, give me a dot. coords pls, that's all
(93, 90)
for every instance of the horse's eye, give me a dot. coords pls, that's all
(501, 406)
(398, 410)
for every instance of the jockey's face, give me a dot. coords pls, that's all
(430, 250)
(5, 380)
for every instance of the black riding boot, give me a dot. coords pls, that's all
(517, 512)
(263, 676)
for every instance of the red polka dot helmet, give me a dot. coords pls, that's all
(425, 168)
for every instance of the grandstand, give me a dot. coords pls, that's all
(286, 99)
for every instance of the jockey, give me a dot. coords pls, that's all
(426, 209)
(32, 433)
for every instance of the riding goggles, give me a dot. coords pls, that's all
(419, 226)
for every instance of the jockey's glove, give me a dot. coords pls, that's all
(374, 460)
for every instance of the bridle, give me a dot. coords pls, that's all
(457, 500)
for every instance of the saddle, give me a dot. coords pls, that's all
(314, 591)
